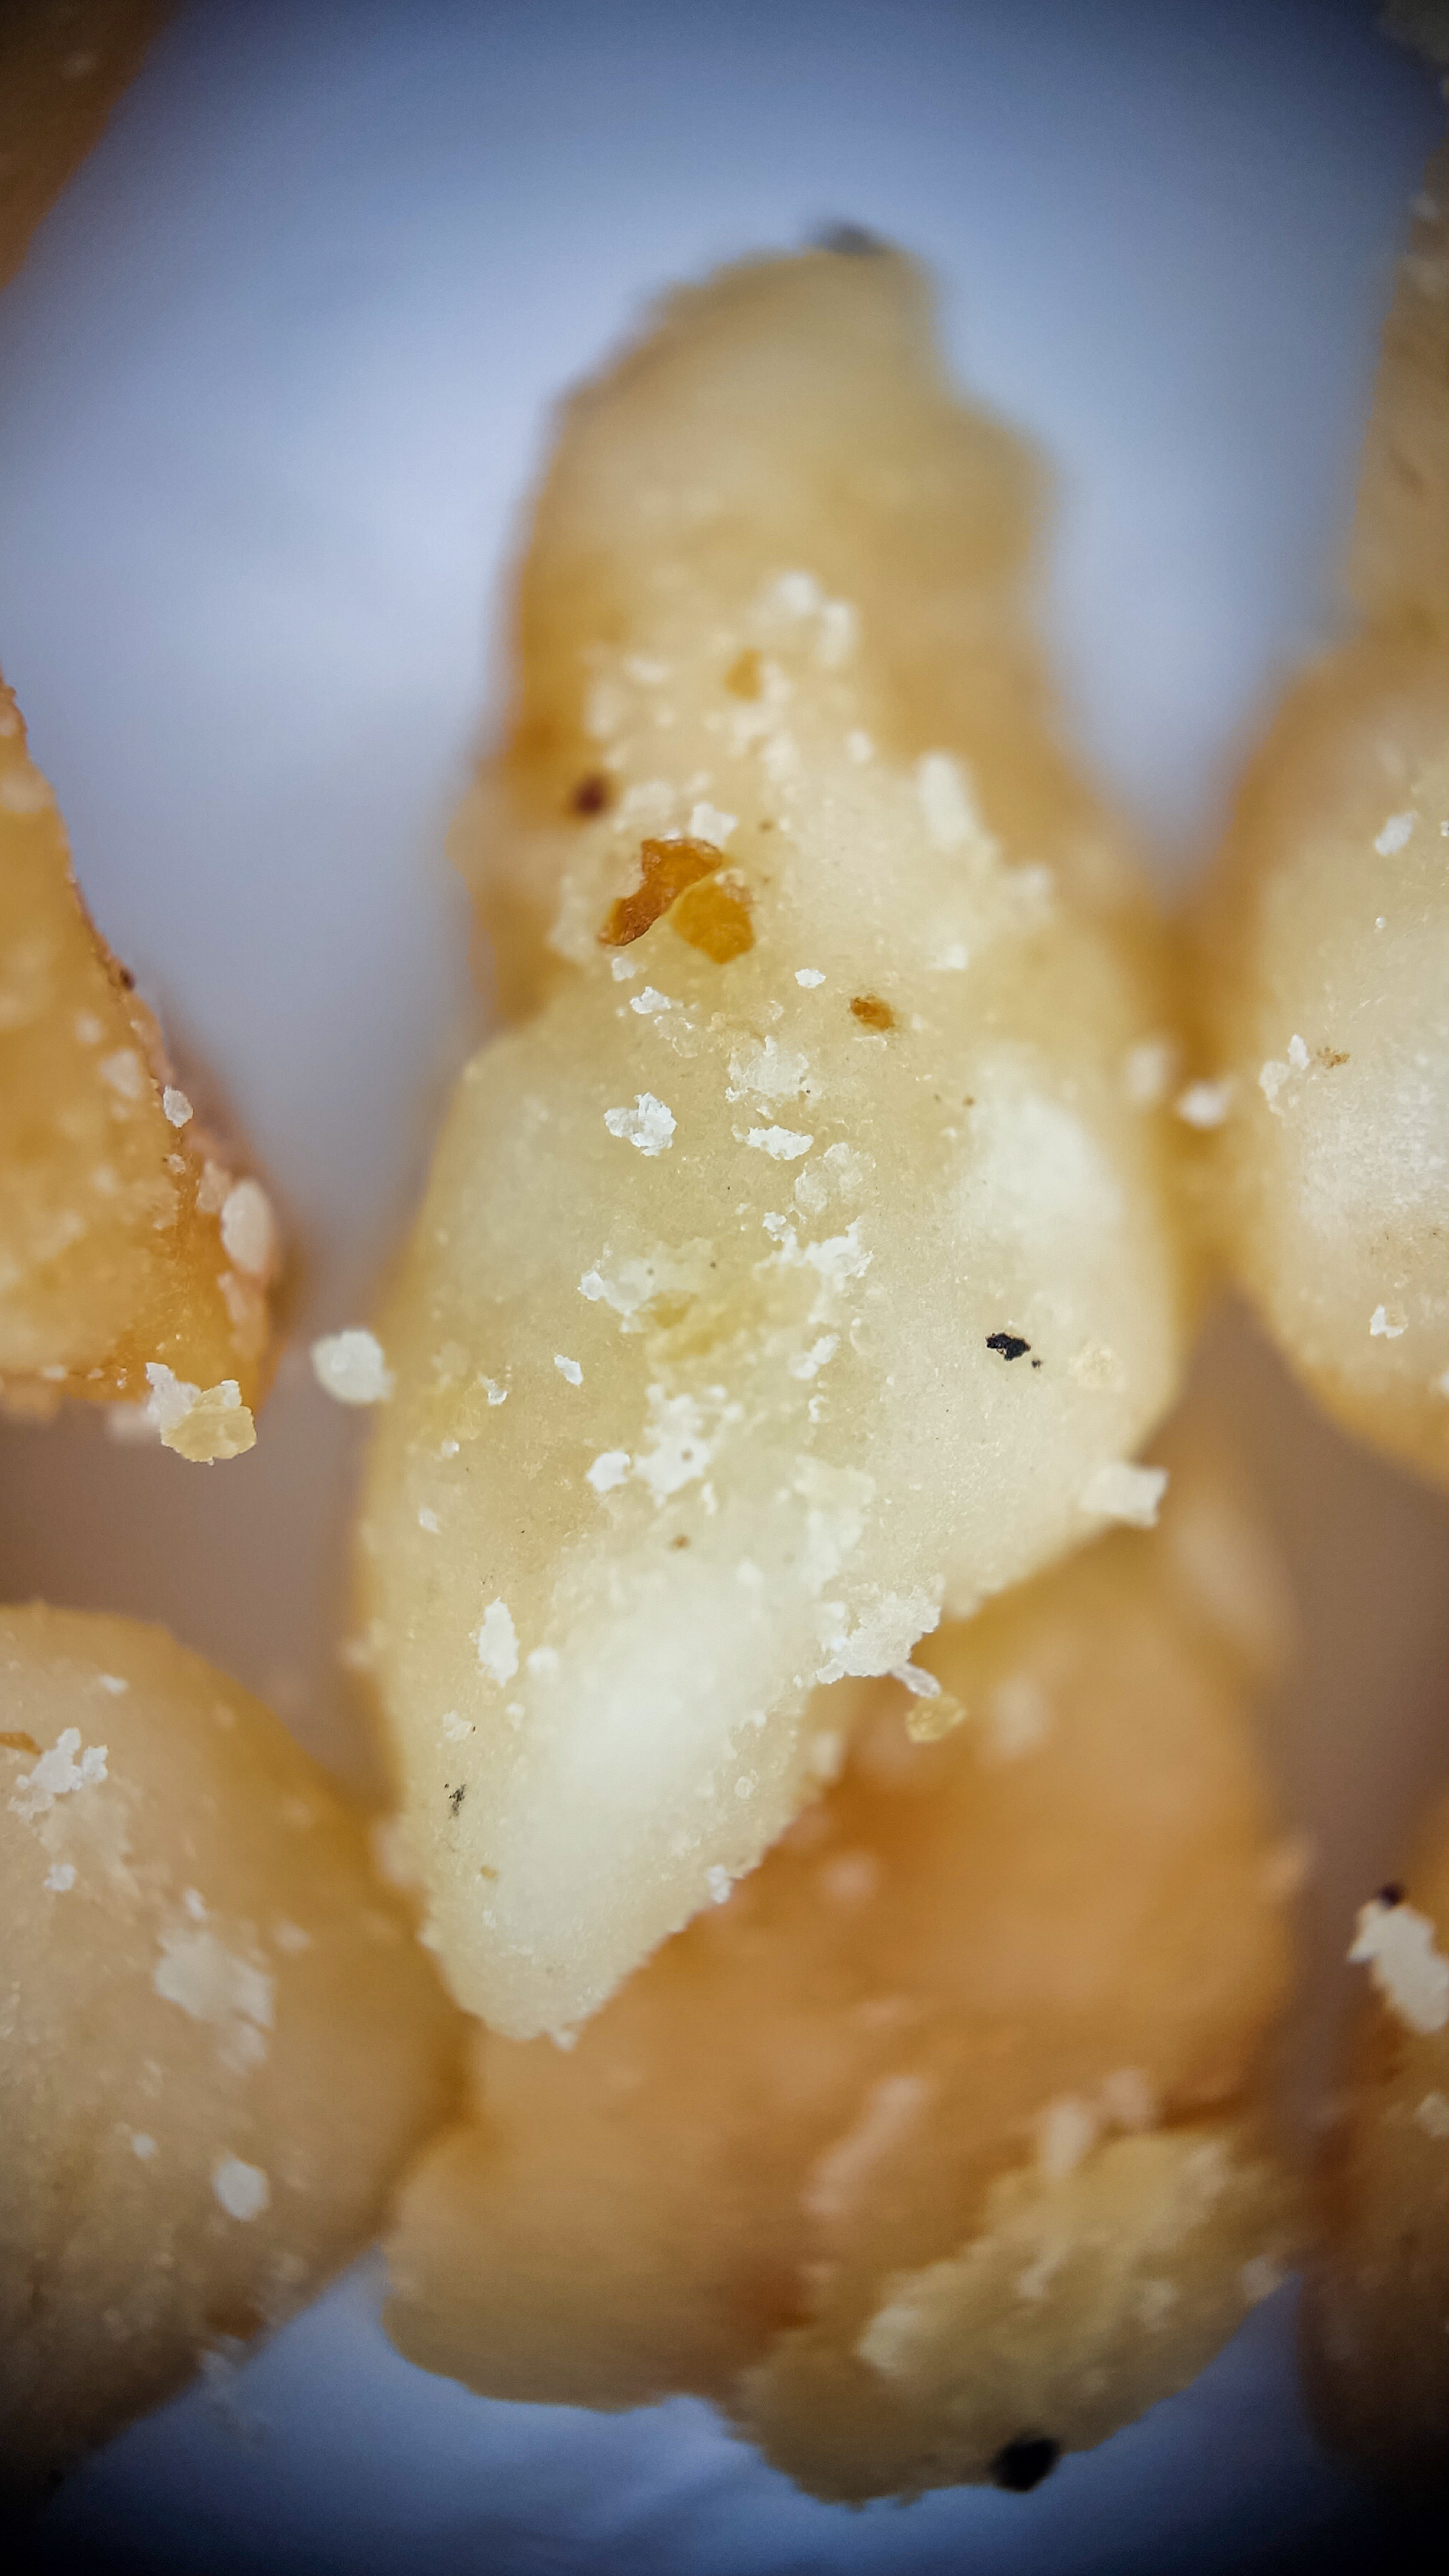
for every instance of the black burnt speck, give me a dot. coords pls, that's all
(1021, 2465)
(1010, 1345)
(1392, 1894)
(456, 1796)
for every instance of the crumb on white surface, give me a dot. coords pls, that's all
(1121, 1491)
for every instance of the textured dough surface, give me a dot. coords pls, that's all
(806, 1264)
(1376, 2316)
(218, 2037)
(133, 1264)
(1326, 943)
(917, 2068)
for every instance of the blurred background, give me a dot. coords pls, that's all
(274, 382)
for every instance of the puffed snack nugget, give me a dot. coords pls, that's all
(1325, 940)
(134, 1266)
(806, 1264)
(219, 2039)
(935, 2148)
(1376, 2314)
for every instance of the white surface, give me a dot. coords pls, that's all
(271, 386)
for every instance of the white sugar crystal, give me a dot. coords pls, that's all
(143, 2145)
(210, 1983)
(609, 1469)
(809, 976)
(946, 801)
(915, 1679)
(786, 1144)
(649, 1125)
(649, 1002)
(708, 823)
(1121, 1491)
(455, 1728)
(57, 1775)
(795, 594)
(176, 1105)
(568, 1368)
(1394, 834)
(114, 1684)
(1204, 1104)
(1397, 1945)
(242, 2189)
(124, 1072)
(1271, 1079)
(1386, 1323)
(60, 1877)
(498, 1643)
(350, 1367)
(717, 1880)
(171, 1397)
(1298, 1054)
(428, 1520)
(1432, 2115)
(248, 1229)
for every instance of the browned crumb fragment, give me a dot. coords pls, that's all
(134, 1264)
(63, 65)
(714, 917)
(745, 676)
(872, 1012)
(667, 868)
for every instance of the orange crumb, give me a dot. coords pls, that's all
(668, 867)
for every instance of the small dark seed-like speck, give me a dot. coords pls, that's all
(593, 795)
(1021, 2465)
(456, 1796)
(1010, 1345)
(849, 241)
(1392, 1894)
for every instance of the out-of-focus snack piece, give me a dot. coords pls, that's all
(134, 1266)
(218, 2036)
(63, 65)
(1376, 2317)
(1326, 941)
(931, 2150)
(807, 1263)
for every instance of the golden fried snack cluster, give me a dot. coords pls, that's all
(1326, 942)
(218, 2037)
(928, 2152)
(134, 1265)
(806, 1265)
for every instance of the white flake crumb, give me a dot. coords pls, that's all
(915, 1679)
(649, 1002)
(57, 1775)
(1397, 1945)
(808, 1364)
(209, 1983)
(455, 1728)
(428, 1520)
(1066, 2132)
(248, 1229)
(496, 1394)
(948, 805)
(786, 1144)
(242, 2189)
(1147, 1070)
(1120, 1491)
(795, 594)
(1432, 2115)
(1271, 1079)
(544, 1661)
(124, 1072)
(176, 1105)
(350, 1367)
(809, 976)
(1260, 2276)
(717, 1880)
(1386, 1323)
(568, 1368)
(1204, 1104)
(498, 1643)
(60, 1877)
(953, 959)
(649, 1125)
(114, 1684)
(143, 2145)
(859, 746)
(1394, 834)
(624, 968)
(609, 1469)
(1298, 1053)
(709, 823)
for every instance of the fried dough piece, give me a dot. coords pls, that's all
(807, 1263)
(218, 2042)
(63, 65)
(1326, 942)
(132, 1264)
(1376, 2317)
(929, 2151)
